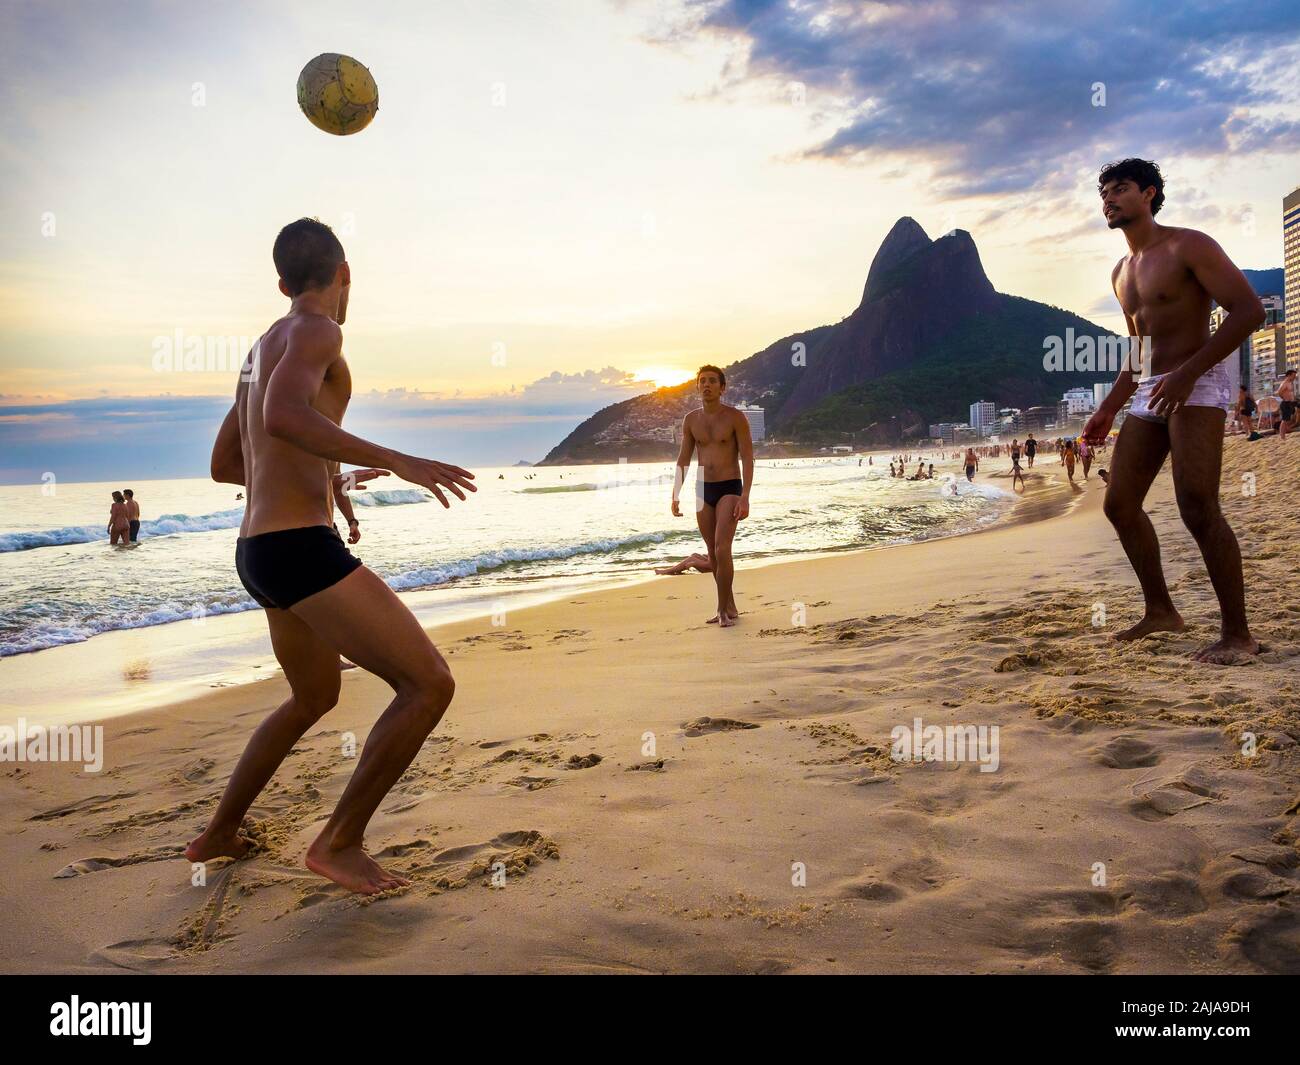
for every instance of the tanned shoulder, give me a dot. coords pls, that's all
(317, 334)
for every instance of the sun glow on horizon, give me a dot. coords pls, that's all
(663, 376)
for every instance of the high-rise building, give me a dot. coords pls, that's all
(1239, 361)
(1079, 400)
(1291, 267)
(757, 424)
(1269, 358)
(983, 417)
(1100, 391)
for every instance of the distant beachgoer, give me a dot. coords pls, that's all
(1031, 449)
(1243, 414)
(1286, 393)
(694, 561)
(1067, 457)
(1085, 456)
(931, 474)
(972, 464)
(1017, 474)
(132, 514)
(119, 526)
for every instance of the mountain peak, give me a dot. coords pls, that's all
(904, 240)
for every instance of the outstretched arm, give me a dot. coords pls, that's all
(745, 445)
(683, 464)
(288, 415)
(227, 452)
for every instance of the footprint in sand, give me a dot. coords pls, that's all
(702, 726)
(1273, 942)
(1125, 751)
(1169, 894)
(92, 805)
(93, 865)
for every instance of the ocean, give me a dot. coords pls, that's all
(543, 529)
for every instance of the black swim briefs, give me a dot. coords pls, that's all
(715, 490)
(282, 568)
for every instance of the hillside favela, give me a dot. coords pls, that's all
(660, 488)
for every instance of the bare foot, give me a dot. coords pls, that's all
(212, 844)
(352, 868)
(713, 620)
(1163, 622)
(726, 620)
(1229, 651)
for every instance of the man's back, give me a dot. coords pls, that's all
(286, 487)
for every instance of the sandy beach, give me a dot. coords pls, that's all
(619, 788)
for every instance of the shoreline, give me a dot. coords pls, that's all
(133, 671)
(659, 795)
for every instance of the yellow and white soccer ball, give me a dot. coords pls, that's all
(337, 94)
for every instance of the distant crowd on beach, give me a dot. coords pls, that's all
(124, 518)
(1273, 415)
(1073, 452)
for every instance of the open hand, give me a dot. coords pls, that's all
(1098, 427)
(354, 480)
(435, 476)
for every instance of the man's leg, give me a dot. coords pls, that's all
(311, 666)
(1196, 447)
(1139, 453)
(706, 519)
(362, 618)
(724, 568)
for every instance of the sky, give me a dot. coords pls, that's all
(560, 205)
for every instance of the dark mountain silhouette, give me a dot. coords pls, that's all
(930, 336)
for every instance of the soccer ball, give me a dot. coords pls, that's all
(337, 94)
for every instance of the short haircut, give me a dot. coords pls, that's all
(128, 493)
(708, 367)
(1142, 172)
(306, 254)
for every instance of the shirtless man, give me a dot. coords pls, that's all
(1165, 286)
(1286, 398)
(132, 514)
(721, 434)
(1031, 449)
(282, 440)
(972, 463)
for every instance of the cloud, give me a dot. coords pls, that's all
(1000, 97)
(112, 437)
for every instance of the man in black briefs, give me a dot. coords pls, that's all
(282, 440)
(721, 433)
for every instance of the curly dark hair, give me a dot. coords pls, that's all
(1142, 172)
(710, 368)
